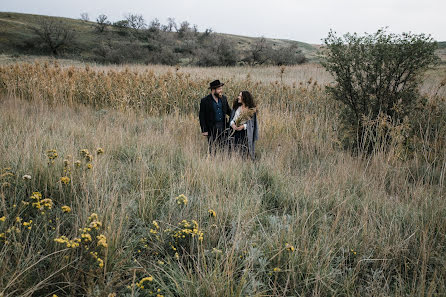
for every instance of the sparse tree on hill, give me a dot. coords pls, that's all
(195, 30)
(260, 51)
(205, 35)
(54, 34)
(171, 25)
(102, 22)
(136, 21)
(184, 29)
(121, 24)
(288, 55)
(85, 17)
(155, 25)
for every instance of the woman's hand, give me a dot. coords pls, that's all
(234, 127)
(240, 128)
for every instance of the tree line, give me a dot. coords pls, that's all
(133, 39)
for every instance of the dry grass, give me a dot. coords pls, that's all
(370, 225)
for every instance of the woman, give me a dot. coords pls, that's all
(243, 122)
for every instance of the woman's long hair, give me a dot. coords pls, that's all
(246, 98)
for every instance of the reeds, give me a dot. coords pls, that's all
(306, 218)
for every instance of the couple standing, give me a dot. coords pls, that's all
(240, 133)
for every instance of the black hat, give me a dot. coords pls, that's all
(215, 84)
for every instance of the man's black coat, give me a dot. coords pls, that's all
(207, 114)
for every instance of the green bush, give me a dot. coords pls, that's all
(376, 75)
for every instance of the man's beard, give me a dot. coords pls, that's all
(218, 95)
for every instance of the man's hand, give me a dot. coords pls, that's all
(205, 133)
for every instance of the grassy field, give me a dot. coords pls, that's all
(135, 206)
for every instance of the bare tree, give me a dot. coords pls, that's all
(102, 22)
(183, 29)
(171, 24)
(155, 25)
(136, 21)
(260, 51)
(54, 34)
(85, 17)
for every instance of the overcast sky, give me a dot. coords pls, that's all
(307, 21)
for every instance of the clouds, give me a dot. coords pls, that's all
(307, 21)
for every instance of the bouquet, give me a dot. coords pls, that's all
(244, 116)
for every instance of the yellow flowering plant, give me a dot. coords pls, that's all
(181, 200)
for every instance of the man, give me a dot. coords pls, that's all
(213, 111)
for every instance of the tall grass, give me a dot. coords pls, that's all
(306, 218)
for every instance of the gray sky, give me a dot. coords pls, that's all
(307, 21)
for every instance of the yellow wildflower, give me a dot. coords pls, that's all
(77, 163)
(289, 247)
(47, 202)
(160, 262)
(277, 269)
(181, 200)
(65, 180)
(36, 196)
(69, 243)
(37, 205)
(100, 150)
(52, 154)
(177, 256)
(61, 239)
(93, 217)
(100, 262)
(145, 279)
(66, 208)
(102, 240)
(2, 219)
(212, 213)
(89, 166)
(95, 224)
(84, 152)
(86, 237)
(18, 219)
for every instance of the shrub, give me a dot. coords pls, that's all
(289, 55)
(376, 74)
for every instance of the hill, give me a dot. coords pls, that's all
(119, 43)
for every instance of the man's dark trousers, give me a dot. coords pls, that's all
(217, 138)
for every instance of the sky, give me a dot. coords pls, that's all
(307, 21)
